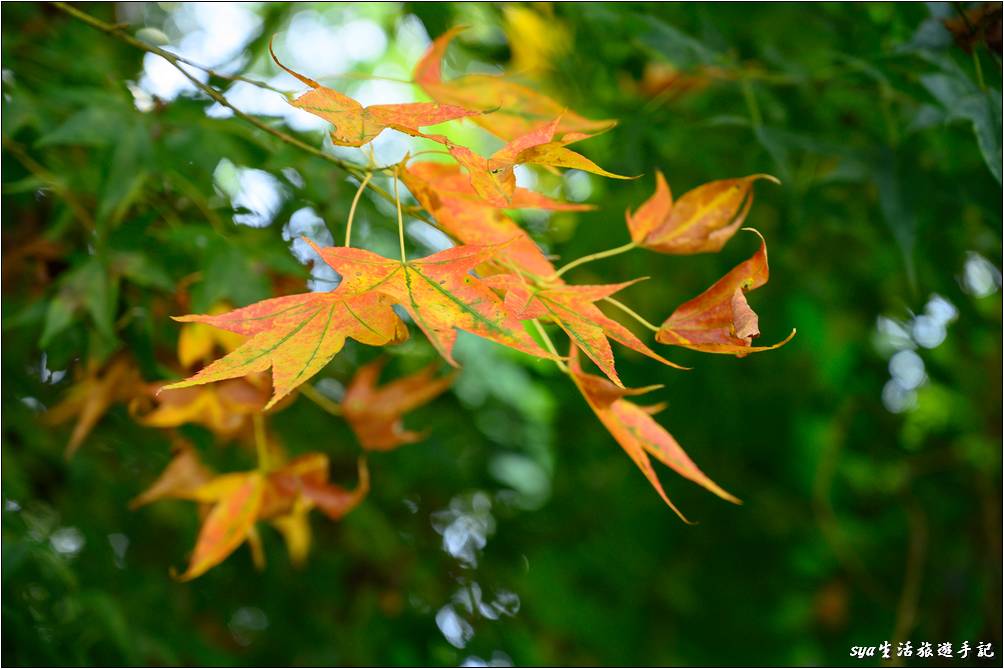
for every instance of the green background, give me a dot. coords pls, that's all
(871, 510)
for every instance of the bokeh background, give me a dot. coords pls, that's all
(867, 451)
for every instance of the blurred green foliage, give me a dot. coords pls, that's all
(872, 502)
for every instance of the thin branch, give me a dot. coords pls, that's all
(53, 181)
(116, 32)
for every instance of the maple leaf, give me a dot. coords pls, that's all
(296, 336)
(374, 413)
(699, 222)
(90, 398)
(355, 125)
(640, 436)
(516, 109)
(438, 292)
(446, 193)
(197, 342)
(238, 500)
(494, 178)
(184, 475)
(237, 503)
(572, 308)
(720, 320)
(225, 408)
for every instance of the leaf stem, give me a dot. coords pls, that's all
(400, 218)
(315, 396)
(595, 256)
(352, 209)
(549, 344)
(630, 312)
(261, 442)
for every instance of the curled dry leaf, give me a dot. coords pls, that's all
(515, 109)
(355, 125)
(699, 222)
(638, 433)
(375, 412)
(720, 320)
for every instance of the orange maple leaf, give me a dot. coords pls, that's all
(699, 222)
(374, 413)
(238, 500)
(572, 308)
(720, 320)
(516, 109)
(637, 432)
(494, 178)
(297, 335)
(355, 125)
(438, 292)
(446, 193)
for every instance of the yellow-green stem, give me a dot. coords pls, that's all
(315, 396)
(400, 218)
(261, 442)
(549, 344)
(630, 312)
(595, 256)
(352, 209)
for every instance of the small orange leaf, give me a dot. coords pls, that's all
(699, 222)
(516, 110)
(719, 320)
(375, 413)
(637, 432)
(572, 308)
(227, 525)
(355, 125)
(448, 196)
(494, 178)
(180, 479)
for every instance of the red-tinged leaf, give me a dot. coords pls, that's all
(438, 292)
(355, 125)
(572, 308)
(297, 335)
(227, 525)
(375, 413)
(225, 408)
(305, 479)
(494, 178)
(637, 432)
(719, 320)
(180, 479)
(335, 501)
(448, 196)
(699, 222)
(515, 109)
